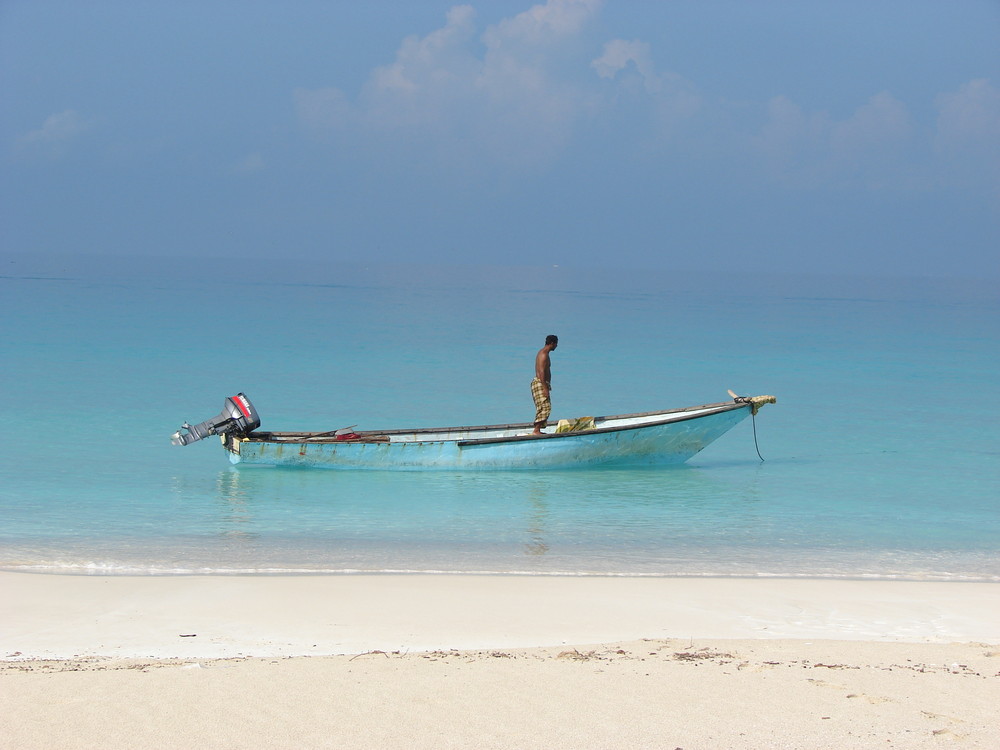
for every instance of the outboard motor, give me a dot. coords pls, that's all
(237, 416)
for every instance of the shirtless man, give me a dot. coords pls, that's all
(542, 383)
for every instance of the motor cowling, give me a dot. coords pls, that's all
(237, 416)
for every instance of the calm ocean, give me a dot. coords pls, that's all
(882, 454)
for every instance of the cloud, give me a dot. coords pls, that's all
(542, 24)
(530, 105)
(419, 89)
(870, 148)
(55, 135)
(967, 140)
(618, 54)
(971, 115)
(883, 122)
(431, 79)
(881, 147)
(519, 94)
(629, 65)
(440, 58)
(493, 97)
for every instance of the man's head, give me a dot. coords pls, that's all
(552, 340)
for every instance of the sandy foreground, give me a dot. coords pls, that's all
(496, 662)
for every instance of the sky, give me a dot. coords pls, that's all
(827, 137)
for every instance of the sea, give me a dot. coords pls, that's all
(880, 459)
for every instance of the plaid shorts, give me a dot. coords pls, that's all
(543, 407)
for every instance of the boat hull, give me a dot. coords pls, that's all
(671, 441)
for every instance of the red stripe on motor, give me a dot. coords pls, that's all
(243, 407)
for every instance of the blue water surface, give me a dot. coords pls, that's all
(882, 454)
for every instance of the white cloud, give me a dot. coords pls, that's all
(629, 64)
(881, 146)
(440, 58)
(971, 115)
(431, 79)
(492, 98)
(883, 122)
(542, 24)
(55, 135)
(618, 54)
(529, 109)
(788, 129)
(869, 148)
(515, 95)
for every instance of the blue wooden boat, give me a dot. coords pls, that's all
(649, 438)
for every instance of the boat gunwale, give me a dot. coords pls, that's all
(719, 409)
(298, 438)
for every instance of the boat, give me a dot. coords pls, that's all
(664, 437)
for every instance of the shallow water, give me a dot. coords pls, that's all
(882, 454)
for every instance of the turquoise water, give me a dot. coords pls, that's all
(882, 454)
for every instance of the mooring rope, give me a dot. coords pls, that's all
(755, 403)
(753, 420)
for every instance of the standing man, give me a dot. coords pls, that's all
(542, 383)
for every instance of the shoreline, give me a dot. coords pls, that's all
(141, 573)
(71, 616)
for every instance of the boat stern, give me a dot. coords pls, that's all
(232, 442)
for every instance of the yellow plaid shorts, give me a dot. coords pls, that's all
(543, 407)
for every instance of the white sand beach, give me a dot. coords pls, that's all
(420, 661)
